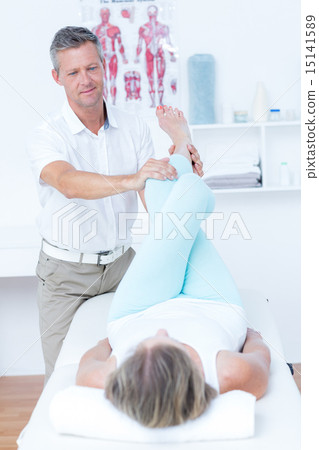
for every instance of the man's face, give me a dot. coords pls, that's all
(81, 75)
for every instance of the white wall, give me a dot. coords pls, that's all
(250, 41)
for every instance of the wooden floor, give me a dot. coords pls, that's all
(18, 397)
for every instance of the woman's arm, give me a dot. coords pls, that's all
(95, 365)
(247, 371)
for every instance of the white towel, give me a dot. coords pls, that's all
(233, 166)
(233, 183)
(222, 169)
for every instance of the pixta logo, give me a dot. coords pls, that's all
(72, 225)
(179, 226)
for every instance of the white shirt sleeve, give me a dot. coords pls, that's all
(146, 150)
(44, 145)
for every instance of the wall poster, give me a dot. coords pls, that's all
(139, 44)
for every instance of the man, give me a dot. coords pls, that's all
(89, 161)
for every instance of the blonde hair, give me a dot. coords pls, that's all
(159, 387)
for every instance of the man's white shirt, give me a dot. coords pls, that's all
(122, 147)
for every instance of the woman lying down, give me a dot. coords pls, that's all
(177, 332)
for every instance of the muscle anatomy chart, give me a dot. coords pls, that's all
(140, 50)
(156, 37)
(110, 38)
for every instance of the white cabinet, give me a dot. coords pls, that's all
(19, 250)
(277, 142)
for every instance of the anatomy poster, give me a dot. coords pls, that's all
(138, 38)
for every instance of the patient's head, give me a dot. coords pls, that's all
(159, 386)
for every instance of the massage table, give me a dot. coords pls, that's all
(277, 414)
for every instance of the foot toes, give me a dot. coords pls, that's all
(165, 109)
(160, 111)
(170, 111)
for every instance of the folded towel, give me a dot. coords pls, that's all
(231, 170)
(84, 411)
(233, 184)
(252, 178)
(228, 171)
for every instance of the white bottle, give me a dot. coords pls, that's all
(284, 174)
(260, 104)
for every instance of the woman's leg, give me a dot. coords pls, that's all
(207, 276)
(175, 125)
(158, 270)
(157, 191)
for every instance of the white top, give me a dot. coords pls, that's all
(121, 147)
(205, 325)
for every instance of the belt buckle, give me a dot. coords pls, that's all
(99, 256)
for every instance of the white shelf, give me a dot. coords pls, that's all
(214, 126)
(257, 189)
(282, 123)
(19, 250)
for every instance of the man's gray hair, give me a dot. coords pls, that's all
(72, 37)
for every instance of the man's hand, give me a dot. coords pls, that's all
(158, 169)
(197, 163)
(253, 333)
(105, 346)
(95, 365)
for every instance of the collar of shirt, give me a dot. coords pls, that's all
(75, 124)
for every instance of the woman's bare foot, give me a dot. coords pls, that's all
(175, 125)
(173, 122)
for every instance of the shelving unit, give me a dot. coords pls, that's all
(280, 123)
(276, 142)
(19, 250)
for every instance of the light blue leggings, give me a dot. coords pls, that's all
(177, 264)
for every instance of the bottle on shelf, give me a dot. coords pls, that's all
(260, 104)
(240, 116)
(274, 115)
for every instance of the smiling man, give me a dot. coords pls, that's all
(89, 160)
